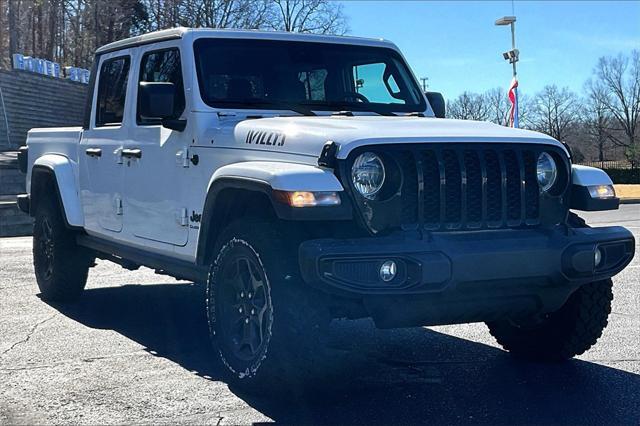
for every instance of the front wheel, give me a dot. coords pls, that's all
(266, 326)
(563, 334)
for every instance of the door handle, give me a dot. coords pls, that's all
(93, 152)
(132, 153)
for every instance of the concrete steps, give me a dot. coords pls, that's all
(12, 181)
(13, 222)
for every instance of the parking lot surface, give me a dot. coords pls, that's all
(134, 349)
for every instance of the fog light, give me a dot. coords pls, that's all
(597, 257)
(388, 270)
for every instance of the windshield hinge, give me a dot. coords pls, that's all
(328, 155)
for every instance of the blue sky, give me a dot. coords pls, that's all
(457, 46)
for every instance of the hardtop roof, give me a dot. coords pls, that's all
(177, 33)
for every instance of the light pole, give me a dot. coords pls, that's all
(424, 83)
(512, 56)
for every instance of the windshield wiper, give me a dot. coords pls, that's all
(271, 105)
(348, 113)
(296, 108)
(386, 113)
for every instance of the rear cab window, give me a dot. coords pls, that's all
(112, 91)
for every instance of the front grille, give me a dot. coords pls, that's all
(470, 188)
(460, 187)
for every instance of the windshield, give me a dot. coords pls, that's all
(269, 74)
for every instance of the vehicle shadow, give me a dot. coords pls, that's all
(388, 377)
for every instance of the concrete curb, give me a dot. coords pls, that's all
(630, 201)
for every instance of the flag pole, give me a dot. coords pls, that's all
(512, 57)
(515, 74)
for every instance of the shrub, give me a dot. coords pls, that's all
(624, 176)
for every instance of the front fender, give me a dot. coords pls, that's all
(263, 178)
(281, 176)
(65, 172)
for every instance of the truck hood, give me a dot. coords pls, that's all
(307, 135)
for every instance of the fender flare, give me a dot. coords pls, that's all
(582, 177)
(281, 176)
(586, 176)
(266, 177)
(64, 172)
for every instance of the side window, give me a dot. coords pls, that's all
(372, 81)
(163, 66)
(112, 91)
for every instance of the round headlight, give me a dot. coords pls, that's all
(547, 171)
(367, 174)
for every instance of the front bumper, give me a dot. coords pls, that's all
(461, 277)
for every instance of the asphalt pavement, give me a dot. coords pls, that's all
(134, 349)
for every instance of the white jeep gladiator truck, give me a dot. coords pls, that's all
(304, 178)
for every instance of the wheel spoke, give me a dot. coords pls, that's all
(231, 271)
(247, 335)
(47, 232)
(49, 271)
(245, 273)
(256, 279)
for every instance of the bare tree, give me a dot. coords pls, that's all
(556, 112)
(309, 16)
(13, 33)
(69, 31)
(470, 106)
(597, 121)
(525, 110)
(225, 13)
(617, 87)
(499, 106)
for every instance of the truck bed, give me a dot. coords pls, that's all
(53, 140)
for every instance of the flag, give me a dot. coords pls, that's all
(513, 98)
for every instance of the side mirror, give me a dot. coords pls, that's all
(155, 103)
(436, 100)
(155, 100)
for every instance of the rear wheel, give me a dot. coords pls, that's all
(61, 266)
(267, 327)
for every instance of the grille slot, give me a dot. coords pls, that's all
(431, 194)
(474, 186)
(452, 188)
(471, 188)
(513, 183)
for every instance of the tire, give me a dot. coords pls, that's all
(61, 266)
(563, 334)
(266, 325)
